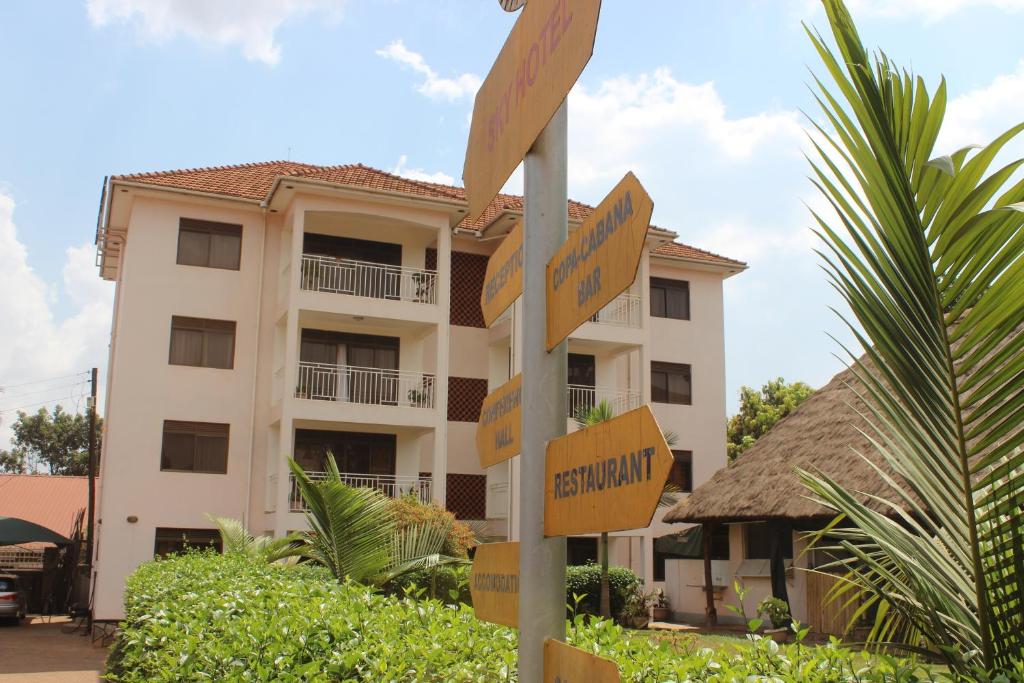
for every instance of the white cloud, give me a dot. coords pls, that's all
(419, 174)
(978, 116)
(930, 10)
(34, 344)
(433, 86)
(249, 24)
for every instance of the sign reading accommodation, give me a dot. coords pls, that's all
(494, 583)
(500, 427)
(598, 261)
(567, 664)
(543, 56)
(503, 281)
(608, 477)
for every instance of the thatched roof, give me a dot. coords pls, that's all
(820, 435)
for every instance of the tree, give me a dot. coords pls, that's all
(235, 540)
(928, 253)
(760, 410)
(58, 442)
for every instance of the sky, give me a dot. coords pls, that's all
(705, 101)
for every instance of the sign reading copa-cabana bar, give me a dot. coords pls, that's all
(607, 477)
(599, 261)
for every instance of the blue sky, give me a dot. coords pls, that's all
(701, 99)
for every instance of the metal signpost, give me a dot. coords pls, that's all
(494, 583)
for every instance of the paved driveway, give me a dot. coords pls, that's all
(37, 652)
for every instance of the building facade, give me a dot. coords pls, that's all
(277, 310)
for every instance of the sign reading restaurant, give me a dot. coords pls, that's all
(607, 477)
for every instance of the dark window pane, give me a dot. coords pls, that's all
(225, 251)
(658, 306)
(169, 541)
(580, 551)
(202, 343)
(681, 474)
(186, 347)
(178, 452)
(758, 542)
(195, 447)
(671, 383)
(220, 349)
(193, 247)
(209, 244)
(670, 298)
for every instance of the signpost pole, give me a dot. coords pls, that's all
(541, 560)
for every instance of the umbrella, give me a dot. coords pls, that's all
(14, 531)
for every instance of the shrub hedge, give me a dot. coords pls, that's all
(207, 617)
(586, 580)
(409, 510)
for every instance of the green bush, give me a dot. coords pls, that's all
(408, 510)
(207, 617)
(449, 584)
(585, 580)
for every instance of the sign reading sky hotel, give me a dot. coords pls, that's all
(545, 53)
(598, 261)
(500, 427)
(494, 583)
(608, 477)
(503, 282)
(567, 664)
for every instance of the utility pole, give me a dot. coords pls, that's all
(541, 560)
(91, 523)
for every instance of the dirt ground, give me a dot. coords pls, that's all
(37, 652)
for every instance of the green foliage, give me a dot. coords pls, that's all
(236, 540)
(208, 617)
(929, 254)
(58, 441)
(409, 511)
(449, 584)
(585, 580)
(760, 410)
(775, 610)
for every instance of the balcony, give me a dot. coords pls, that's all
(391, 485)
(368, 386)
(582, 398)
(366, 279)
(622, 311)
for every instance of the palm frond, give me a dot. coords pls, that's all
(928, 252)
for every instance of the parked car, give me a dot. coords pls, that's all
(13, 598)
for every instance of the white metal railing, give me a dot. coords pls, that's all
(362, 278)
(391, 485)
(581, 398)
(623, 311)
(371, 386)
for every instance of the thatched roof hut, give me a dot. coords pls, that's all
(822, 434)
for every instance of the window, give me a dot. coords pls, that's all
(209, 244)
(670, 298)
(681, 474)
(670, 383)
(202, 343)
(580, 550)
(195, 447)
(178, 540)
(689, 545)
(757, 540)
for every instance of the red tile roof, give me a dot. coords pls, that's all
(49, 501)
(254, 182)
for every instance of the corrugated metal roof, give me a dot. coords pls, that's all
(50, 501)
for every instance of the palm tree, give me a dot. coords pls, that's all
(236, 540)
(929, 255)
(353, 531)
(588, 417)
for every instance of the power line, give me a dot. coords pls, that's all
(42, 381)
(43, 403)
(59, 387)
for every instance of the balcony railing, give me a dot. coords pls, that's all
(622, 311)
(373, 280)
(391, 485)
(582, 398)
(370, 386)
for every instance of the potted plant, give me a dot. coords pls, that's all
(636, 613)
(661, 611)
(776, 611)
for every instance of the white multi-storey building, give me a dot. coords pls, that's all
(279, 309)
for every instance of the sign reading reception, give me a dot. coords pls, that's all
(503, 281)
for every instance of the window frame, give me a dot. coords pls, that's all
(209, 538)
(205, 326)
(196, 430)
(669, 369)
(209, 228)
(667, 286)
(764, 538)
(683, 458)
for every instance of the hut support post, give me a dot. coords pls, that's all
(709, 588)
(777, 530)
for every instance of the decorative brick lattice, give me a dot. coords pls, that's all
(465, 396)
(468, 272)
(466, 495)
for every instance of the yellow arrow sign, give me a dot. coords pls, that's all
(599, 261)
(503, 281)
(608, 477)
(567, 664)
(500, 427)
(494, 583)
(543, 56)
